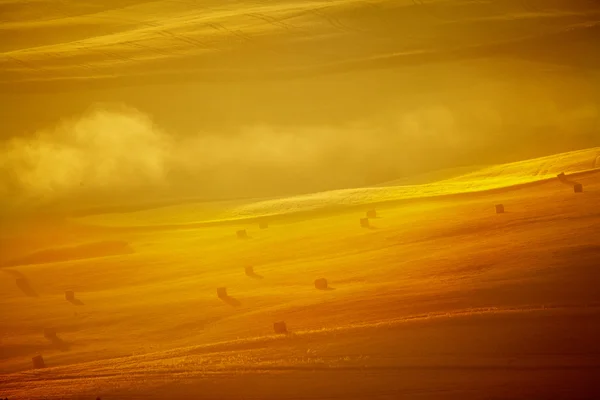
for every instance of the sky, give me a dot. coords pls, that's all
(260, 98)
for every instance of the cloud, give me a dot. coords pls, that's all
(108, 148)
(113, 151)
(120, 149)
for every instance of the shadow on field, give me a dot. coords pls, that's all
(251, 274)
(79, 252)
(22, 282)
(76, 302)
(231, 301)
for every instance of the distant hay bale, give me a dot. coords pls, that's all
(371, 214)
(241, 234)
(280, 328)
(321, 284)
(70, 295)
(364, 222)
(499, 208)
(38, 362)
(50, 334)
(578, 188)
(562, 176)
(222, 292)
(263, 224)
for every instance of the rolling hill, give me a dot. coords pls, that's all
(442, 298)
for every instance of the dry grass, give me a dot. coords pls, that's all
(454, 299)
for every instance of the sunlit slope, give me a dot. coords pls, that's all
(532, 170)
(443, 298)
(493, 177)
(70, 44)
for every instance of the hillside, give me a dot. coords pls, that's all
(442, 298)
(488, 178)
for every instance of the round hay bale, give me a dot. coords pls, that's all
(499, 208)
(242, 234)
(280, 328)
(321, 284)
(222, 292)
(364, 222)
(50, 334)
(69, 295)
(38, 362)
(578, 188)
(371, 214)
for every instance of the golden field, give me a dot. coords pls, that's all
(441, 298)
(137, 137)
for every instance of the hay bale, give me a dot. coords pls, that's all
(280, 328)
(578, 188)
(562, 176)
(364, 222)
(38, 362)
(371, 214)
(70, 295)
(241, 234)
(499, 208)
(263, 224)
(50, 334)
(222, 292)
(321, 284)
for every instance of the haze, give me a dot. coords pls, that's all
(138, 138)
